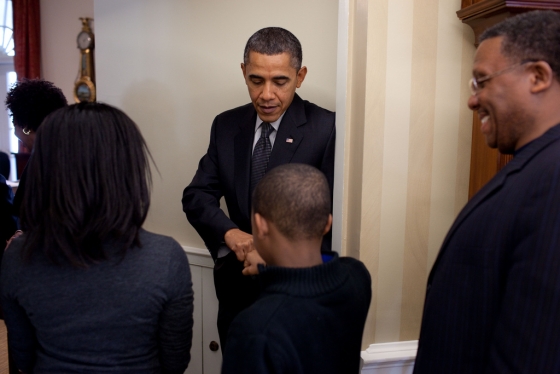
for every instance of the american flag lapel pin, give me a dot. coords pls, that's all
(289, 140)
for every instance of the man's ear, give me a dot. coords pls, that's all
(542, 76)
(243, 68)
(261, 226)
(328, 225)
(301, 76)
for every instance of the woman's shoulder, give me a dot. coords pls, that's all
(160, 244)
(153, 239)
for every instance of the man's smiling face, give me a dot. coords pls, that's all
(500, 101)
(272, 83)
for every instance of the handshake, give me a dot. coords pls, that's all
(242, 244)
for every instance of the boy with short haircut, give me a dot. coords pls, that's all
(310, 314)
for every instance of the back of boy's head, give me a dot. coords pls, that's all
(296, 199)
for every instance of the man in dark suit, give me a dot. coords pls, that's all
(493, 297)
(278, 127)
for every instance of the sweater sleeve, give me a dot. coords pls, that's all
(176, 319)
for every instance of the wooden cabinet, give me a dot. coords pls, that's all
(479, 15)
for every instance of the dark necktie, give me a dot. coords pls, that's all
(261, 153)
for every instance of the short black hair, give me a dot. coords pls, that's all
(296, 198)
(31, 100)
(272, 41)
(88, 181)
(531, 36)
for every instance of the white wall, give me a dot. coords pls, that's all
(60, 56)
(173, 65)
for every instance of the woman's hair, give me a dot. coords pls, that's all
(31, 100)
(88, 181)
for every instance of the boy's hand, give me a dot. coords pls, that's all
(252, 259)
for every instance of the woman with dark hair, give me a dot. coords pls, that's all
(30, 101)
(86, 289)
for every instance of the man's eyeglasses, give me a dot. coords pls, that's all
(474, 83)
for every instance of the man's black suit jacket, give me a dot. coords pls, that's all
(493, 297)
(306, 135)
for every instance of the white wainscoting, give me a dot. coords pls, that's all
(205, 331)
(389, 358)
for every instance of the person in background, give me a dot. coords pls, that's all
(276, 128)
(493, 296)
(8, 222)
(5, 165)
(29, 102)
(311, 312)
(86, 289)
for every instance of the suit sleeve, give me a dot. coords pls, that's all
(327, 163)
(327, 167)
(526, 337)
(201, 199)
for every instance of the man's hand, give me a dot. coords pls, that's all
(240, 242)
(251, 261)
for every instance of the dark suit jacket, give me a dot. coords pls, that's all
(493, 297)
(225, 170)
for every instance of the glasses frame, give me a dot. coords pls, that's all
(475, 82)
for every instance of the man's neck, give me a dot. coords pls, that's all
(544, 115)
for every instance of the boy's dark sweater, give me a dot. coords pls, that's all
(306, 320)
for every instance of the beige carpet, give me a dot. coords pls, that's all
(3, 349)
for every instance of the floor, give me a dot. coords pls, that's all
(3, 349)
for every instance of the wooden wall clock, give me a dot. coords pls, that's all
(84, 87)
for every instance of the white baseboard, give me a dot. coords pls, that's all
(389, 358)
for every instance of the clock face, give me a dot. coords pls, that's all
(84, 40)
(83, 92)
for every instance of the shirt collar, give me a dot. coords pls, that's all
(274, 124)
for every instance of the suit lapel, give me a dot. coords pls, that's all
(497, 182)
(289, 135)
(243, 147)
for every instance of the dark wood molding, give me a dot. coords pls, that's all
(466, 3)
(483, 14)
(488, 7)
